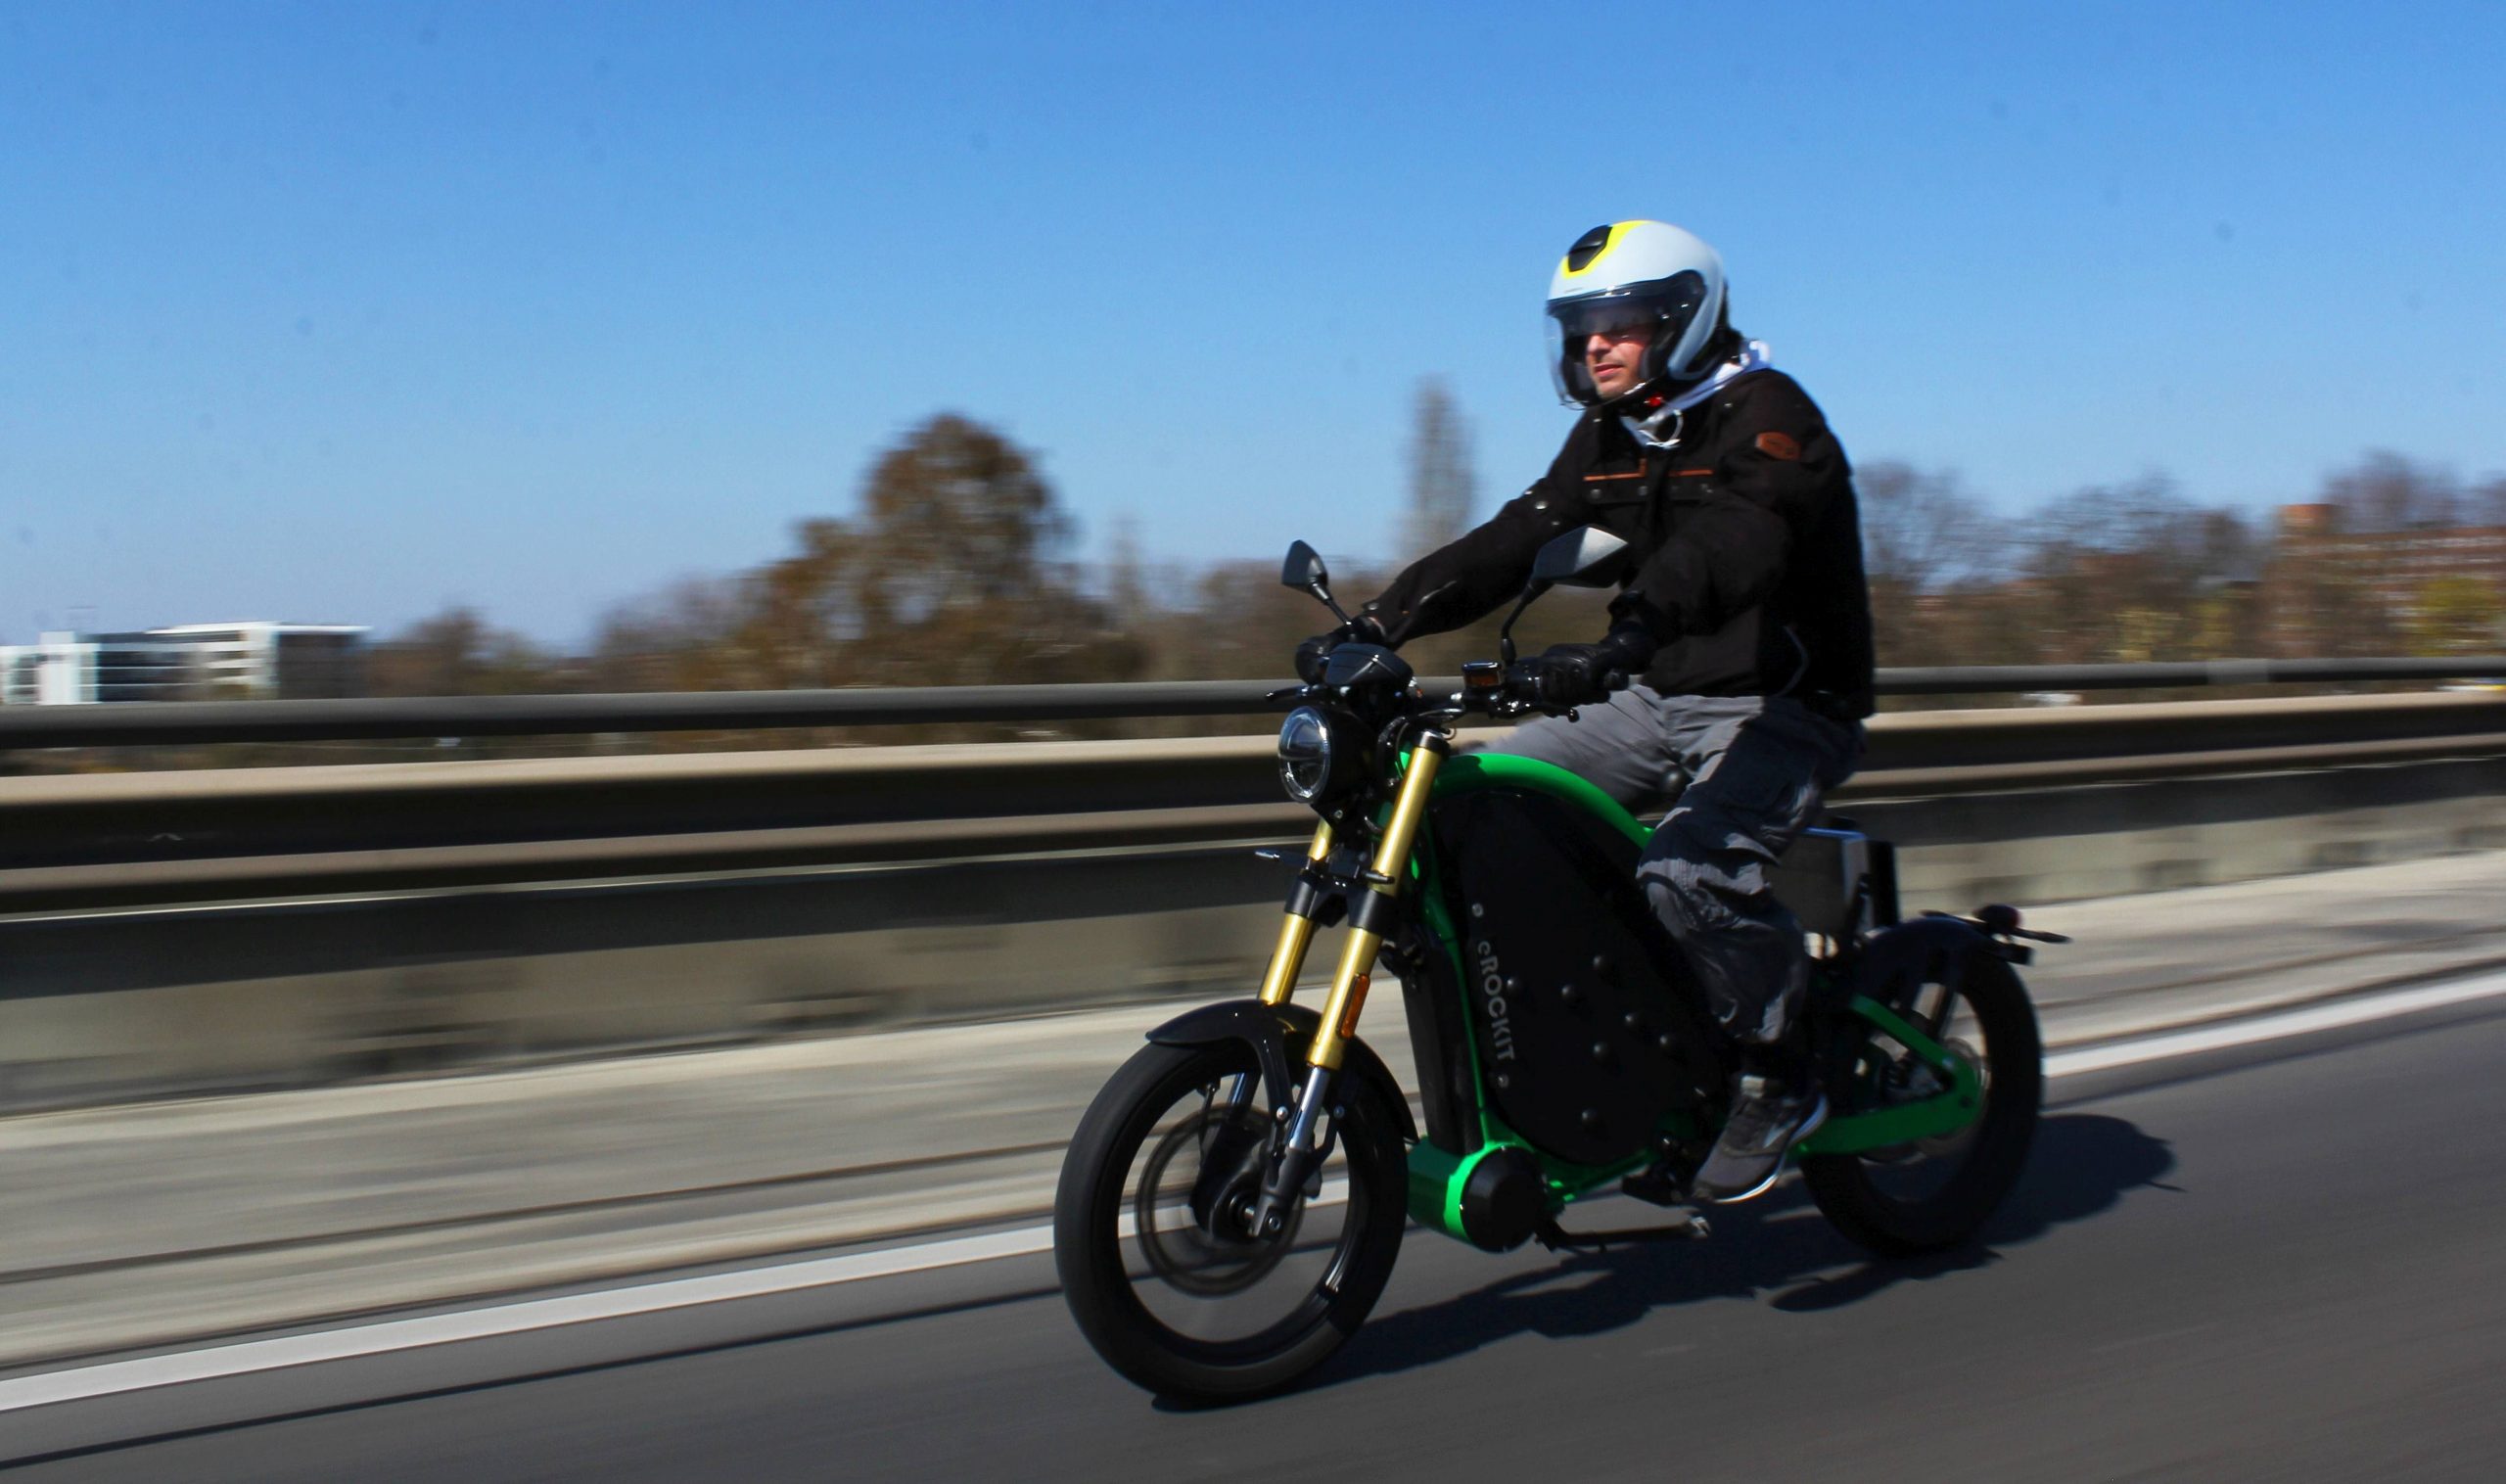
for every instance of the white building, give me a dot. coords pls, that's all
(56, 669)
(191, 661)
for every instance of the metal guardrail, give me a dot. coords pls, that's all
(1989, 680)
(183, 722)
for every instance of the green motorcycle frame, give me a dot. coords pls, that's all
(1289, 1038)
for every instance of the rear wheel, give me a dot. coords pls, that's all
(1933, 1194)
(1156, 1258)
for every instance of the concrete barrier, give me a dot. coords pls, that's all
(183, 996)
(102, 1006)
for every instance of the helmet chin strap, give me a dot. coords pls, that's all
(1660, 427)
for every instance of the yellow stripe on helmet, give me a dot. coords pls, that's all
(1617, 234)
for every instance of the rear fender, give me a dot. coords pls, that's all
(1279, 1034)
(1897, 961)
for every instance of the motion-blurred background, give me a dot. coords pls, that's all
(522, 356)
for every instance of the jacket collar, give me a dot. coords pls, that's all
(1662, 427)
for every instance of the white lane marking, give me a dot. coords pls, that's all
(149, 1372)
(389, 1335)
(2279, 1026)
(152, 1372)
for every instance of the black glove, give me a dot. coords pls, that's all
(1310, 655)
(1582, 674)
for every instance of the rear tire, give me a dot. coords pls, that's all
(1959, 1181)
(1099, 1190)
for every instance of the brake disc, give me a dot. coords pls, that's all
(1209, 1260)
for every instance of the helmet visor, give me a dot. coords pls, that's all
(1658, 312)
(1616, 317)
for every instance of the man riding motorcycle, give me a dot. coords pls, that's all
(1741, 633)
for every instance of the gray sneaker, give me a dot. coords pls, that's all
(1766, 1122)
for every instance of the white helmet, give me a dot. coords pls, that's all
(1642, 269)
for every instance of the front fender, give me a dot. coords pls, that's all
(1278, 1035)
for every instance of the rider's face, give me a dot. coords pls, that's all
(1616, 357)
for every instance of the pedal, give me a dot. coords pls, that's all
(1654, 1188)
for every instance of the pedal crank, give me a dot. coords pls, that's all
(1558, 1239)
(1656, 1187)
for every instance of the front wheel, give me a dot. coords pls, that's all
(1924, 1196)
(1157, 1260)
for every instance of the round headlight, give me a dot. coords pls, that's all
(1305, 754)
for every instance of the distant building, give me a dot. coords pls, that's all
(191, 661)
(2330, 586)
(2395, 566)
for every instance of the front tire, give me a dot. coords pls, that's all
(1924, 1197)
(1150, 1298)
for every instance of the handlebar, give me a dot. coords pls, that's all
(1376, 680)
(1514, 690)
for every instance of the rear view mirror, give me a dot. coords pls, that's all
(1585, 557)
(1303, 570)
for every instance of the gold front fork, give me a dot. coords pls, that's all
(1296, 931)
(1391, 865)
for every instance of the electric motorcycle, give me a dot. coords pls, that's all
(1232, 1204)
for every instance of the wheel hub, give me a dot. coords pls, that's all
(1207, 1246)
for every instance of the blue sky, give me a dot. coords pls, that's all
(342, 313)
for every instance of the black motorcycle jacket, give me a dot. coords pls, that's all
(1746, 548)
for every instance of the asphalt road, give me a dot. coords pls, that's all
(2280, 1260)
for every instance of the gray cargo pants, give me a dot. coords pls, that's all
(1743, 777)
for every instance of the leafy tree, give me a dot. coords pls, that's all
(2456, 614)
(951, 574)
(956, 572)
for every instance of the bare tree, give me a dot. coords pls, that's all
(2228, 549)
(1126, 580)
(458, 653)
(2385, 491)
(678, 638)
(1442, 490)
(1919, 531)
(1921, 534)
(2486, 504)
